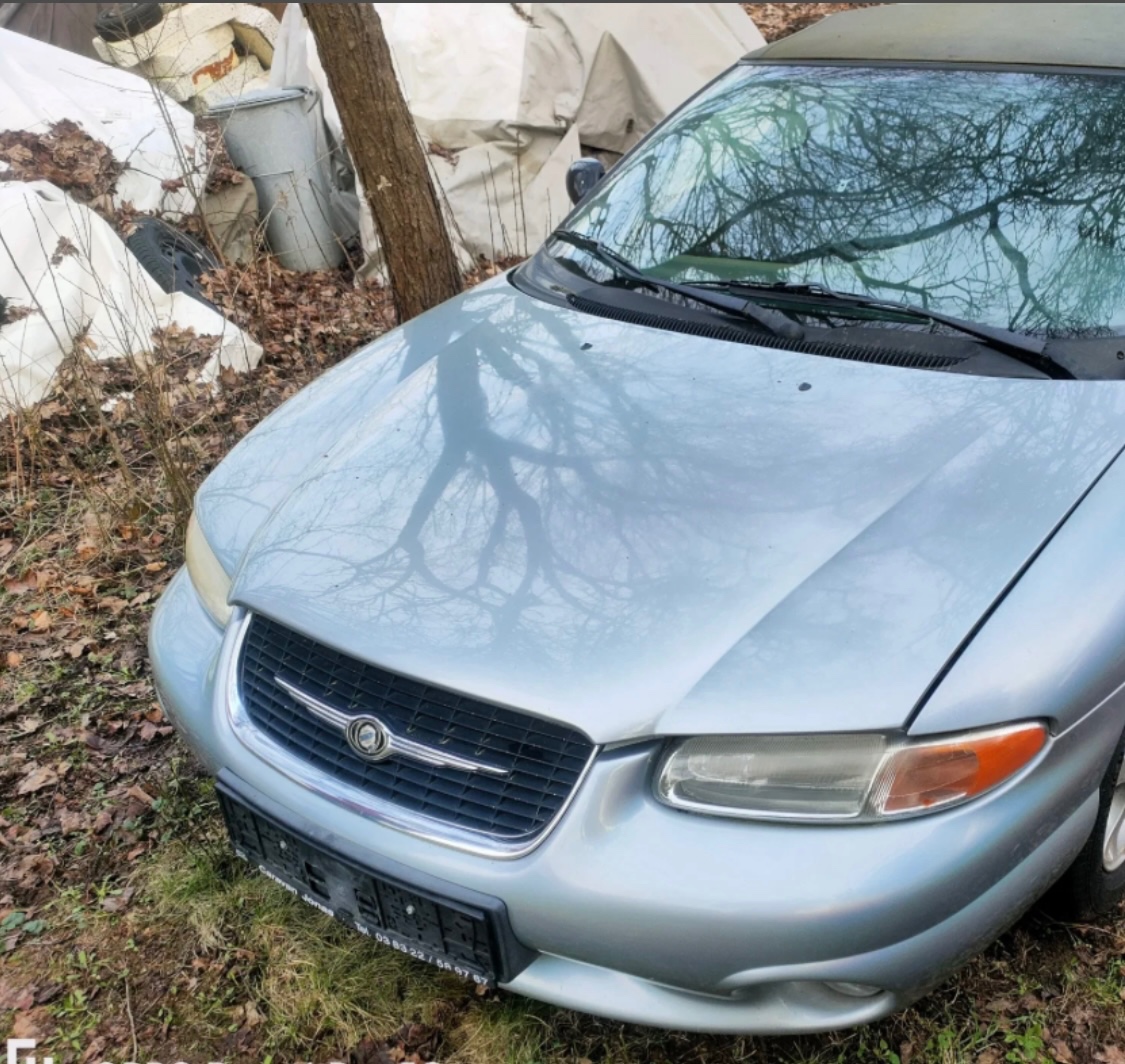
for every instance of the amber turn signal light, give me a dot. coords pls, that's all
(924, 776)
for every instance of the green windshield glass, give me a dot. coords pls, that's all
(998, 197)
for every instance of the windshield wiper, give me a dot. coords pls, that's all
(772, 321)
(1026, 349)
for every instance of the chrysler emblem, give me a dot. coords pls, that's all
(368, 738)
(372, 740)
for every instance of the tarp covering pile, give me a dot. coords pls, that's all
(506, 96)
(62, 265)
(41, 84)
(65, 264)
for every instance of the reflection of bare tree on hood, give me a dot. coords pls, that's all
(529, 493)
(995, 196)
(539, 473)
(560, 511)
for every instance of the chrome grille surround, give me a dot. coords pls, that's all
(352, 797)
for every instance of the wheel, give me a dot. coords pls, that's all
(175, 261)
(127, 22)
(1095, 883)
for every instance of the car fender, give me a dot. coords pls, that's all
(1054, 647)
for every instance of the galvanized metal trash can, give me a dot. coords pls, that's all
(270, 137)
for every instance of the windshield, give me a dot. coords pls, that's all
(997, 197)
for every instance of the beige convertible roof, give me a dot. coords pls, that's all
(1087, 35)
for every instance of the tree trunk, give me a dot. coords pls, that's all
(380, 134)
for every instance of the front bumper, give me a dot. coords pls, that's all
(649, 915)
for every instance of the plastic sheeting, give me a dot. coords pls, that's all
(65, 263)
(505, 96)
(41, 84)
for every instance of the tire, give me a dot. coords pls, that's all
(1095, 883)
(131, 19)
(173, 259)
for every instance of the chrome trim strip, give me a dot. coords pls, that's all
(315, 706)
(396, 744)
(429, 756)
(352, 798)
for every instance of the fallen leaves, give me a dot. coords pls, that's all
(29, 1025)
(86, 549)
(31, 871)
(63, 249)
(66, 155)
(118, 903)
(71, 822)
(38, 779)
(78, 648)
(16, 999)
(305, 322)
(20, 586)
(413, 1044)
(141, 795)
(248, 1015)
(221, 171)
(779, 20)
(155, 726)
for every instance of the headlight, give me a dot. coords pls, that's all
(209, 578)
(841, 777)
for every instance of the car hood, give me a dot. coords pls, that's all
(640, 532)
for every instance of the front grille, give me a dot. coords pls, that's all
(544, 760)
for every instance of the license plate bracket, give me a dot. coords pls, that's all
(464, 936)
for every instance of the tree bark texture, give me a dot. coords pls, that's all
(388, 156)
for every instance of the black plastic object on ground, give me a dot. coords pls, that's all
(174, 259)
(130, 20)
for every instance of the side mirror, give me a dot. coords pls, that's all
(581, 178)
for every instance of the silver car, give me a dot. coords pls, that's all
(719, 621)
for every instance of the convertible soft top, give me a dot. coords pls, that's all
(1081, 35)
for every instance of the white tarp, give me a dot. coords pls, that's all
(155, 137)
(504, 95)
(66, 263)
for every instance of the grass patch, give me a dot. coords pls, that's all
(318, 986)
(313, 979)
